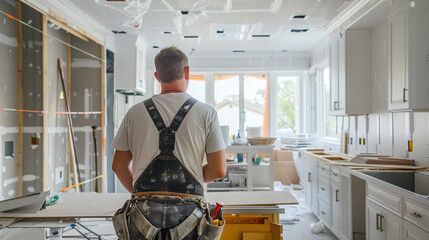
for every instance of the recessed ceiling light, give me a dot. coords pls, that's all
(184, 12)
(191, 36)
(238, 51)
(284, 50)
(299, 16)
(299, 30)
(261, 36)
(167, 32)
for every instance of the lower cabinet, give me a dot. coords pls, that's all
(345, 207)
(412, 232)
(335, 206)
(381, 224)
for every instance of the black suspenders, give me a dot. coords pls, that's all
(167, 134)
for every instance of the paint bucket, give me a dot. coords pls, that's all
(254, 132)
(225, 134)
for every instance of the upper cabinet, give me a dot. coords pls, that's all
(131, 67)
(409, 55)
(349, 67)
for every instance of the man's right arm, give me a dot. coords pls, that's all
(215, 167)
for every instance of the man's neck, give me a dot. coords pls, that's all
(174, 87)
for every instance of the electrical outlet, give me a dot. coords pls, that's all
(59, 175)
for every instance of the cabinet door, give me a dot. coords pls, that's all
(342, 74)
(412, 232)
(333, 81)
(308, 189)
(335, 206)
(315, 190)
(373, 212)
(398, 26)
(345, 210)
(391, 226)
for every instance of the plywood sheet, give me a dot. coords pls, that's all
(260, 198)
(104, 205)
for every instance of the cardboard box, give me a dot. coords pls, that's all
(283, 155)
(285, 172)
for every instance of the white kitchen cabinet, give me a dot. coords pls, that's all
(381, 224)
(409, 57)
(412, 232)
(345, 206)
(131, 67)
(335, 207)
(349, 66)
(311, 182)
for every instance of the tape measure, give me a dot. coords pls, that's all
(245, 220)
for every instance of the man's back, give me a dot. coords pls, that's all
(196, 135)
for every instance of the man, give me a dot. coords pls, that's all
(165, 138)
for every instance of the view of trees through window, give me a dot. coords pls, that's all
(286, 93)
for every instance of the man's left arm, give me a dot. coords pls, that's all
(120, 165)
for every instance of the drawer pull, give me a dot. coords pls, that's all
(323, 168)
(377, 222)
(336, 195)
(335, 174)
(309, 177)
(416, 215)
(322, 212)
(323, 189)
(381, 223)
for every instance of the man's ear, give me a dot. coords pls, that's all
(156, 76)
(186, 72)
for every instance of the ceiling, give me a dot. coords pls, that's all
(240, 21)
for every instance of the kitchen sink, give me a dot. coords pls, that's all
(416, 182)
(336, 158)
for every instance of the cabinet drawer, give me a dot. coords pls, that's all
(324, 169)
(324, 212)
(386, 199)
(324, 189)
(335, 173)
(416, 213)
(412, 232)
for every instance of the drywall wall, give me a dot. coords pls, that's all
(86, 97)
(8, 99)
(32, 89)
(57, 123)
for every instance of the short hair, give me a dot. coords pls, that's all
(170, 63)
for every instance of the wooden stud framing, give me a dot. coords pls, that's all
(45, 101)
(20, 102)
(60, 21)
(68, 87)
(103, 139)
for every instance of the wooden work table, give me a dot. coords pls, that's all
(248, 215)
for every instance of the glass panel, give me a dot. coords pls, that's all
(226, 89)
(286, 92)
(197, 87)
(255, 90)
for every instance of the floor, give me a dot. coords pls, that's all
(296, 222)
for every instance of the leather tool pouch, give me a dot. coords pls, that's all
(207, 231)
(120, 221)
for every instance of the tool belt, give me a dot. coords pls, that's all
(199, 220)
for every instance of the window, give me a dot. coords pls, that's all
(256, 101)
(197, 87)
(286, 104)
(227, 103)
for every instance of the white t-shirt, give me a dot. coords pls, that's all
(198, 134)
